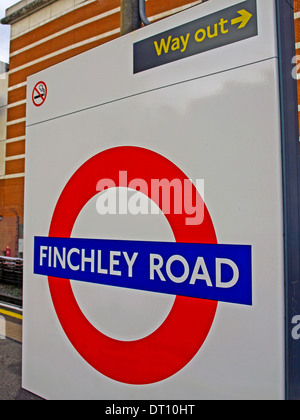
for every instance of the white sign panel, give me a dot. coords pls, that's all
(153, 243)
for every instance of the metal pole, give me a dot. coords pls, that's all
(133, 14)
(291, 193)
(130, 16)
(142, 10)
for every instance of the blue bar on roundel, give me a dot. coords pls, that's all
(206, 271)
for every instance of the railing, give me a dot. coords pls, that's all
(11, 271)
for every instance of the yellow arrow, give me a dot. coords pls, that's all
(243, 19)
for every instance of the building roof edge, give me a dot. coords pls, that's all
(25, 10)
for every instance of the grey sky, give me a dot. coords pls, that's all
(5, 31)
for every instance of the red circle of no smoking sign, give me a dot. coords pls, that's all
(39, 94)
(168, 349)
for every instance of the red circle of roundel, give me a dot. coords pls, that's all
(168, 349)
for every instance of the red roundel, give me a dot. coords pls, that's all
(168, 349)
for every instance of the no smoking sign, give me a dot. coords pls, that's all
(39, 94)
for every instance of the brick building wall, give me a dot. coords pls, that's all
(3, 113)
(42, 35)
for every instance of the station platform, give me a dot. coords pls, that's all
(11, 354)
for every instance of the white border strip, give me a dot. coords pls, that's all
(16, 157)
(15, 139)
(19, 85)
(20, 120)
(16, 104)
(12, 176)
